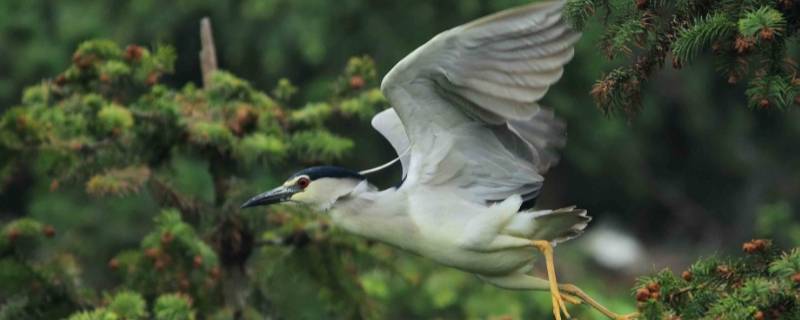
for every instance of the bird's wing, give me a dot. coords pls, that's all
(468, 102)
(388, 124)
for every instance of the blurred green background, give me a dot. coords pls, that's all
(695, 173)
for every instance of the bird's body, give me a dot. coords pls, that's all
(408, 225)
(474, 145)
(458, 235)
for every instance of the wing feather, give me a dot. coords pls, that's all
(388, 124)
(468, 102)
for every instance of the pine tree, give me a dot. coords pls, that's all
(762, 284)
(750, 41)
(107, 124)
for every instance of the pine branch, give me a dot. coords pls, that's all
(765, 21)
(701, 34)
(762, 284)
(579, 12)
(169, 197)
(749, 39)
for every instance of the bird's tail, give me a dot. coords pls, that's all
(552, 225)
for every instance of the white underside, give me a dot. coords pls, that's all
(485, 240)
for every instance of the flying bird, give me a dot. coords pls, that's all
(473, 143)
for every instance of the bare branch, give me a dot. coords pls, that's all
(208, 54)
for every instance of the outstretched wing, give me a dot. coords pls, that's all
(388, 124)
(468, 102)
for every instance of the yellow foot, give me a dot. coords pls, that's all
(574, 291)
(559, 306)
(571, 299)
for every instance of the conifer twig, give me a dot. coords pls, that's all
(167, 196)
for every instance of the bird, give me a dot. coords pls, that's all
(474, 144)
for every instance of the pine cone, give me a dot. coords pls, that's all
(49, 231)
(159, 264)
(724, 270)
(215, 273)
(60, 80)
(113, 264)
(197, 262)
(13, 234)
(151, 253)
(767, 34)
(796, 278)
(356, 82)
(687, 275)
(755, 245)
(81, 61)
(743, 44)
(243, 119)
(642, 295)
(166, 238)
(152, 79)
(133, 53)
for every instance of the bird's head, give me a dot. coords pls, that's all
(318, 187)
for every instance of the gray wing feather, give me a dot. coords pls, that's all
(388, 124)
(468, 102)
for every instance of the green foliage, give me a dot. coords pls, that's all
(114, 119)
(97, 314)
(173, 307)
(768, 91)
(313, 145)
(701, 34)
(749, 39)
(34, 290)
(579, 12)
(260, 147)
(118, 181)
(761, 284)
(364, 105)
(284, 90)
(312, 114)
(106, 124)
(765, 19)
(128, 305)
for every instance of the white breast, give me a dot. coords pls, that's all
(425, 222)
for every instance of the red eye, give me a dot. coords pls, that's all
(303, 182)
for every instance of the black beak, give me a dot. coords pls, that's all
(277, 195)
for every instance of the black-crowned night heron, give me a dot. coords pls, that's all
(473, 144)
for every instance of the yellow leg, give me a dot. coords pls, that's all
(574, 290)
(570, 298)
(558, 301)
